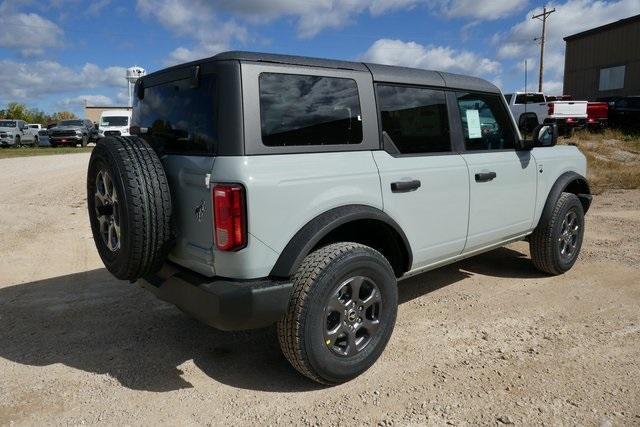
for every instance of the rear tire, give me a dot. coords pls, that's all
(130, 207)
(555, 243)
(341, 313)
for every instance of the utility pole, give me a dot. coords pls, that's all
(543, 17)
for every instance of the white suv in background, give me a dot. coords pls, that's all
(114, 123)
(263, 189)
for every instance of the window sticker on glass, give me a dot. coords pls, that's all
(473, 124)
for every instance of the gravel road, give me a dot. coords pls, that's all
(485, 341)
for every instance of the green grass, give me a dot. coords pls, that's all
(10, 152)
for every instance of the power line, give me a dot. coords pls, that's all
(543, 17)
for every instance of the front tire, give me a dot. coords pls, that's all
(341, 313)
(18, 143)
(555, 243)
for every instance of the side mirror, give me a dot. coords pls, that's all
(545, 135)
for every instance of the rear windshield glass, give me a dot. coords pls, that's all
(530, 98)
(309, 110)
(178, 117)
(115, 121)
(71, 123)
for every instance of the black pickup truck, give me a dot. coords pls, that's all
(72, 133)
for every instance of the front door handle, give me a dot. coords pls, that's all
(405, 186)
(485, 176)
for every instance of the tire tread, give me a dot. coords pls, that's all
(542, 243)
(290, 327)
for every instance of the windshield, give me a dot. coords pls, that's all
(530, 98)
(115, 121)
(70, 123)
(7, 123)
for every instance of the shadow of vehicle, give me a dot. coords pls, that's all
(93, 322)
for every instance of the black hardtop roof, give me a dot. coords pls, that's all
(380, 73)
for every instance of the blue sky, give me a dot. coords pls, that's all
(55, 54)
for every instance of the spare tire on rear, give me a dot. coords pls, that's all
(130, 208)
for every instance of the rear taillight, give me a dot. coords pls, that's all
(550, 109)
(230, 225)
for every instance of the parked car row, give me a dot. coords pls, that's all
(531, 109)
(16, 133)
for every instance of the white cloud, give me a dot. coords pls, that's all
(196, 19)
(440, 58)
(21, 81)
(29, 33)
(482, 10)
(96, 7)
(78, 102)
(201, 20)
(568, 19)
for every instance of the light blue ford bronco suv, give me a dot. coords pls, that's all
(259, 189)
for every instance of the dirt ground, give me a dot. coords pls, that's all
(485, 341)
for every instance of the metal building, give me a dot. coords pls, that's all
(604, 62)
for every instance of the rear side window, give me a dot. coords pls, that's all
(309, 110)
(179, 117)
(508, 97)
(486, 125)
(414, 118)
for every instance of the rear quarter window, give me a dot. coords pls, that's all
(298, 110)
(178, 117)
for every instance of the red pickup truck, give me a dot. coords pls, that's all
(597, 115)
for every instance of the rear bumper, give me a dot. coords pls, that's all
(597, 122)
(224, 304)
(568, 122)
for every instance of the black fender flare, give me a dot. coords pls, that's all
(581, 189)
(315, 230)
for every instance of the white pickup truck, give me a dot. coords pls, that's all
(532, 108)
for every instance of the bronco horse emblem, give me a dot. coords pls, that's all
(200, 210)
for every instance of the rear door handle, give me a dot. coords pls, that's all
(405, 186)
(485, 176)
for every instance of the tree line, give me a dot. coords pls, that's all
(18, 111)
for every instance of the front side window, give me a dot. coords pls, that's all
(178, 117)
(485, 122)
(300, 110)
(414, 118)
